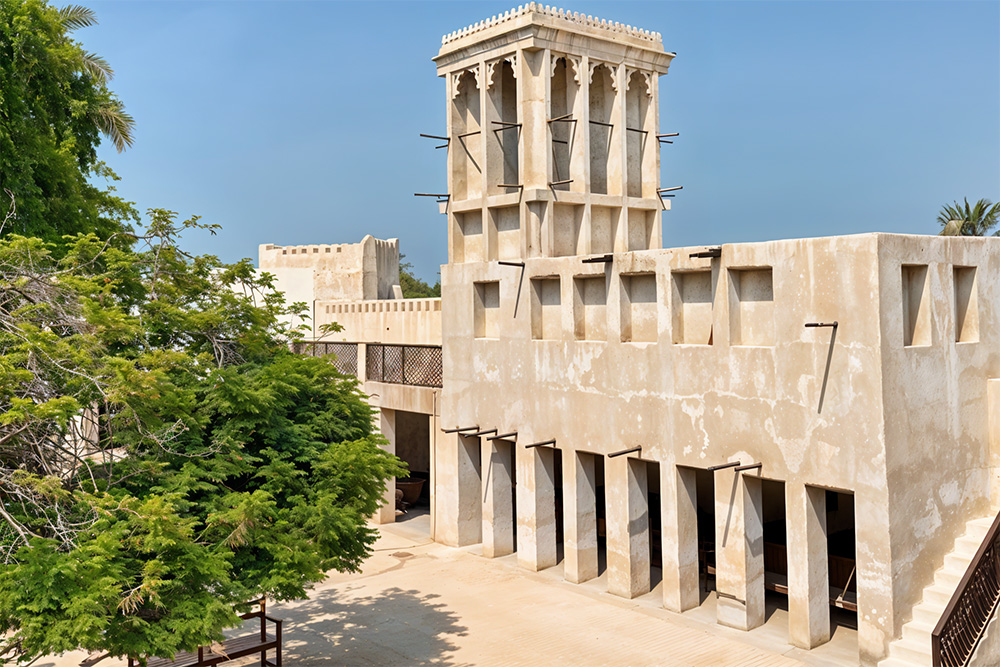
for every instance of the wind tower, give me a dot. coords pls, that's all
(552, 121)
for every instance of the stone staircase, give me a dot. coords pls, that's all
(914, 647)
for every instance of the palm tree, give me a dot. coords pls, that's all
(976, 220)
(110, 118)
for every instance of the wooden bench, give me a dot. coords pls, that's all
(231, 649)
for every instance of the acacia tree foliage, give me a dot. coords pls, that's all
(54, 107)
(978, 219)
(163, 456)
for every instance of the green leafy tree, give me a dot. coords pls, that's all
(163, 455)
(413, 287)
(965, 220)
(55, 106)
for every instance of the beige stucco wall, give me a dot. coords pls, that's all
(904, 429)
(397, 321)
(936, 407)
(346, 271)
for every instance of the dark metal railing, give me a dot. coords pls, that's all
(971, 608)
(404, 364)
(345, 355)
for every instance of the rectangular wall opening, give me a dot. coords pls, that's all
(693, 296)
(602, 515)
(705, 497)
(505, 227)
(468, 240)
(916, 305)
(655, 514)
(642, 229)
(563, 132)
(604, 224)
(775, 546)
(639, 308)
(470, 491)
(503, 133)
(751, 307)
(413, 445)
(602, 133)
(590, 298)
(546, 308)
(966, 305)
(487, 309)
(568, 230)
(842, 560)
(637, 101)
(557, 480)
(465, 146)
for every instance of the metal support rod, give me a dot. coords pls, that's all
(459, 430)
(749, 467)
(668, 134)
(430, 194)
(602, 259)
(469, 134)
(541, 444)
(503, 122)
(503, 263)
(570, 180)
(598, 122)
(635, 129)
(568, 118)
(503, 436)
(510, 185)
(711, 252)
(625, 451)
(676, 187)
(479, 433)
(731, 464)
(434, 136)
(833, 324)
(559, 141)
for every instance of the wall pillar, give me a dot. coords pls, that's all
(739, 550)
(808, 567)
(498, 499)
(626, 490)
(993, 411)
(536, 504)
(387, 427)
(678, 487)
(458, 485)
(580, 501)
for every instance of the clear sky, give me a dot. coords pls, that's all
(297, 122)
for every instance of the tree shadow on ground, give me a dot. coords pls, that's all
(393, 627)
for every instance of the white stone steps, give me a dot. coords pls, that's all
(901, 662)
(913, 648)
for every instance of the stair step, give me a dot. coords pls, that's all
(948, 578)
(958, 562)
(901, 662)
(919, 632)
(938, 595)
(968, 545)
(986, 522)
(912, 650)
(925, 613)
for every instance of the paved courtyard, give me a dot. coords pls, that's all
(417, 603)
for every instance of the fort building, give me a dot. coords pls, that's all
(817, 419)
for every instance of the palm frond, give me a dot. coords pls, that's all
(77, 16)
(977, 219)
(97, 67)
(115, 124)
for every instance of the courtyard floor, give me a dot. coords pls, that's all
(419, 603)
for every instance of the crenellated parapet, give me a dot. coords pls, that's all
(537, 10)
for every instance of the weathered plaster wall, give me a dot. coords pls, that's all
(696, 404)
(346, 271)
(397, 321)
(936, 407)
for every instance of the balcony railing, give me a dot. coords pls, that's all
(404, 364)
(957, 634)
(345, 355)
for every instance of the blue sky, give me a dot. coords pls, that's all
(297, 122)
